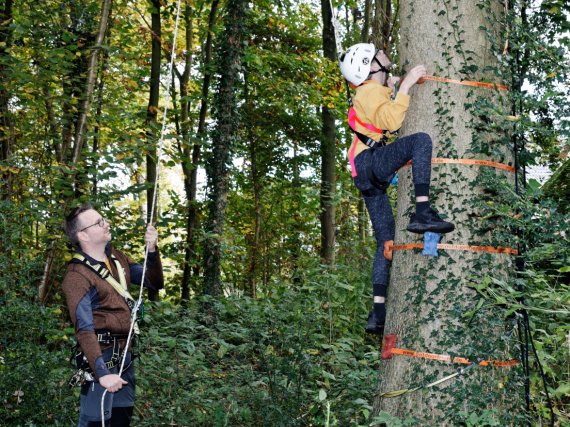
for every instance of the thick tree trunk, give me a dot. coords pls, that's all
(429, 299)
(227, 121)
(328, 150)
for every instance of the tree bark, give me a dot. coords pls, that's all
(6, 125)
(328, 150)
(80, 132)
(152, 114)
(190, 167)
(429, 299)
(227, 122)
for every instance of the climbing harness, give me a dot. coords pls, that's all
(105, 274)
(389, 350)
(84, 372)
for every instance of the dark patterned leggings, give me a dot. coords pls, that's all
(383, 163)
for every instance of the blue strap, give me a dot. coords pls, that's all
(430, 243)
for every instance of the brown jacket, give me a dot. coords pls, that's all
(94, 305)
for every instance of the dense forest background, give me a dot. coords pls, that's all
(266, 243)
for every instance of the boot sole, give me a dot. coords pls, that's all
(423, 228)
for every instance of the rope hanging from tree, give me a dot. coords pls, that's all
(153, 205)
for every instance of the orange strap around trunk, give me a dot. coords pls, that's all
(389, 247)
(477, 162)
(446, 358)
(389, 349)
(440, 160)
(465, 82)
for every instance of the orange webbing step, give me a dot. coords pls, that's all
(464, 82)
(476, 162)
(389, 247)
(389, 350)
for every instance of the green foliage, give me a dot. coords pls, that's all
(541, 288)
(296, 357)
(34, 349)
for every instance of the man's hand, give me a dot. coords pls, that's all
(412, 78)
(112, 382)
(151, 238)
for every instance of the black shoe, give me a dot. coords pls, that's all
(429, 221)
(375, 325)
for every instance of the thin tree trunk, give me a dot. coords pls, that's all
(382, 24)
(364, 34)
(328, 150)
(100, 93)
(81, 127)
(429, 301)
(227, 122)
(151, 116)
(191, 170)
(253, 244)
(80, 132)
(6, 124)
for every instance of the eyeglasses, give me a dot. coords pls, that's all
(101, 223)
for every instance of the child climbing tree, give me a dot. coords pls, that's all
(433, 312)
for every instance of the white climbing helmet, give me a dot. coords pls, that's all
(356, 61)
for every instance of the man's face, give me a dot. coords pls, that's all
(94, 228)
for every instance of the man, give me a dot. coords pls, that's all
(374, 160)
(96, 288)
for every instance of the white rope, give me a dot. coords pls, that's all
(335, 24)
(154, 197)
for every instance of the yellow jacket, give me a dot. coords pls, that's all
(373, 106)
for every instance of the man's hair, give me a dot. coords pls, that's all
(71, 224)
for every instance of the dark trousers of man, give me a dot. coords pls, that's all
(117, 407)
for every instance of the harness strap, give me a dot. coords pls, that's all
(105, 274)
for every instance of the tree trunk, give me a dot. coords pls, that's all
(382, 24)
(227, 122)
(328, 150)
(253, 238)
(80, 132)
(190, 168)
(151, 116)
(429, 301)
(6, 125)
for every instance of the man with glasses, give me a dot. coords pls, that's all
(375, 114)
(96, 288)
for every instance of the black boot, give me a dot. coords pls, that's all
(375, 323)
(429, 221)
